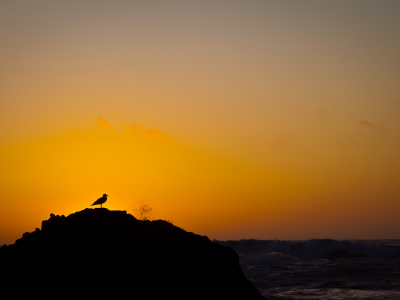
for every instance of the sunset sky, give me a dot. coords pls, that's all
(234, 119)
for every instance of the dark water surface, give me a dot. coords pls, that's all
(321, 268)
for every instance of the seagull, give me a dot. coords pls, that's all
(100, 200)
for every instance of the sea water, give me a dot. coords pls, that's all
(321, 268)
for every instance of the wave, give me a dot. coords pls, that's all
(274, 258)
(276, 252)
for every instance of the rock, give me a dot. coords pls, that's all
(102, 253)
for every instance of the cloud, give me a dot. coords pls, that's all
(131, 128)
(154, 134)
(280, 142)
(104, 124)
(136, 130)
(323, 113)
(396, 101)
(148, 134)
(370, 125)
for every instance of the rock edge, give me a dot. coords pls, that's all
(98, 253)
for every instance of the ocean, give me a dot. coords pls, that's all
(321, 268)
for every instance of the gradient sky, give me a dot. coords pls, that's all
(235, 119)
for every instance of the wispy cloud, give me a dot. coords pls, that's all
(131, 128)
(395, 101)
(104, 123)
(369, 125)
(136, 130)
(323, 113)
(148, 134)
(155, 134)
(280, 142)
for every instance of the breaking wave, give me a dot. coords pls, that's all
(322, 269)
(276, 252)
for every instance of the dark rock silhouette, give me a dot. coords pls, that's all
(102, 253)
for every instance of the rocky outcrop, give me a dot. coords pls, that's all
(102, 253)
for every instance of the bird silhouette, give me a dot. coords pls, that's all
(100, 200)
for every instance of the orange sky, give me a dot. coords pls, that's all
(235, 119)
